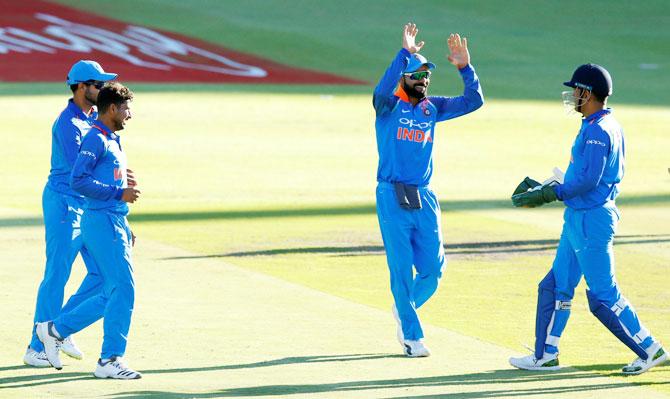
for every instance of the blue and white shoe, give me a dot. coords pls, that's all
(549, 362)
(35, 359)
(51, 341)
(69, 347)
(117, 369)
(656, 356)
(415, 348)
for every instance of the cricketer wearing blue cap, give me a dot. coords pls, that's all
(585, 248)
(63, 207)
(100, 174)
(409, 211)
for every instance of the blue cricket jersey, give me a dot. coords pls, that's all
(66, 136)
(405, 133)
(596, 165)
(99, 173)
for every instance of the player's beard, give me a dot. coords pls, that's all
(413, 92)
(90, 97)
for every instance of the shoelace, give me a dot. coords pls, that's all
(531, 350)
(123, 369)
(639, 362)
(59, 342)
(119, 364)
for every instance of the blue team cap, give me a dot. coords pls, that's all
(85, 70)
(416, 61)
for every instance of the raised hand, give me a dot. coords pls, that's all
(458, 50)
(409, 38)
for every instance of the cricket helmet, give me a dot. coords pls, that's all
(592, 77)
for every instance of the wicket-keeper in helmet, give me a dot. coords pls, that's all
(587, 80)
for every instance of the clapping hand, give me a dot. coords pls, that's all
(458, 50)
(409, 38)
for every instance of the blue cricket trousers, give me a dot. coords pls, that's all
(108, 239)
(586, 248)
(412, 239)
(62, 216)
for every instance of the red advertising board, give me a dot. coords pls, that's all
(39, 42)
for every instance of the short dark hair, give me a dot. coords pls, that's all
(599, 97)
(113, 93)
(74, 87)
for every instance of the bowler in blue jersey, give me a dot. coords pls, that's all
(590, 220)
(407, 209)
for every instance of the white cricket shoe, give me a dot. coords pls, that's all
(399, 333)
(35, 358)
(69, 347)
(115, 368)
(548, 362)
(415, 348)
(656, 356)
(45, 333)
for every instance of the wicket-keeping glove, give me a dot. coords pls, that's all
(534, 198)
(526, 185)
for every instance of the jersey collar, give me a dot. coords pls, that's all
(74, 109)
(402, 94)
(104, 130)
(598, 115)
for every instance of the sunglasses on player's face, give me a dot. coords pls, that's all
(95, 83)
(418, 75)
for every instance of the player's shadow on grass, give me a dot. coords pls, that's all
(56, 377)
(469, 382)
(280, 362)
(51, 376)
(320, 211)
(467, 248)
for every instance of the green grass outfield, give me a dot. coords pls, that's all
(259, 264)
